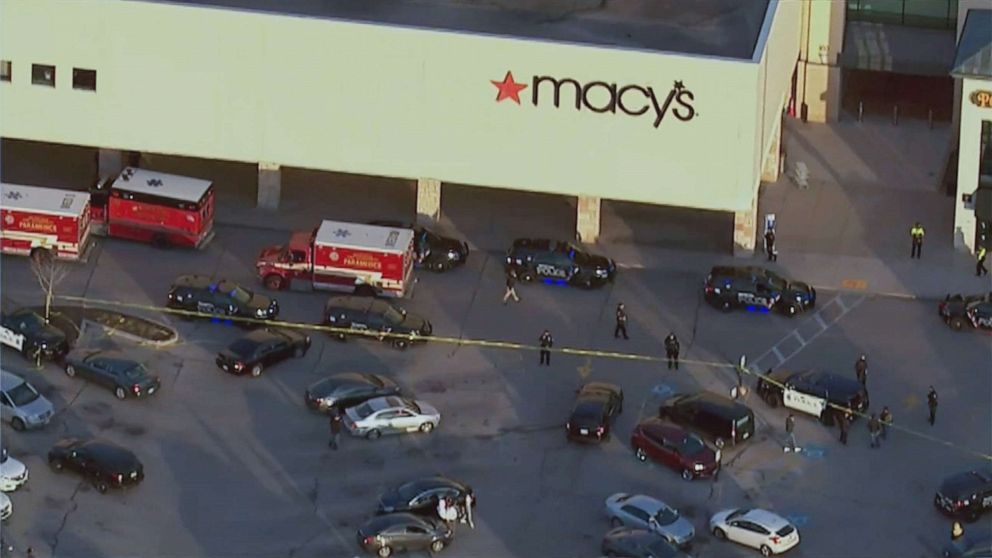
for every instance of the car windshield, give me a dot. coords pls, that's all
(737, 513)
(666, 516)
(29, 321)
(578, 256)
(691, 445)
(660, 549)
(375, 380)
(777, 281)
(136, 372)
(241, 295)
(394, 315)
(364, 410)
(412, 406)
(22, 394)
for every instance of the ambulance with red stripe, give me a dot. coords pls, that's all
(346, 257)
(34, 219)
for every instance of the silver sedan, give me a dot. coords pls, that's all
(645, 512)
(390, 415)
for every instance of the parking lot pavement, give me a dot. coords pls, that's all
(236, 466)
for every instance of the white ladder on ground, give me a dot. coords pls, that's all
(800, 175)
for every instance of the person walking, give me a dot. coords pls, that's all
(917, 233)
(468, 510)
(885, 418)
(874, 429)
(957, 531)
(842, 422)
(790, 430)
(511, 287)
(932, 404)
(672, 350)
(546, 343)
(770, 245)
(980, 263)
(335, 429)
(621, 322)
(861, 369)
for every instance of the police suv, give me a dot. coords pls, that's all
(27, 331)
(965, 495)
(974, 310)
(220, 298)
(558, 263)
(757, 288)
(810, 391)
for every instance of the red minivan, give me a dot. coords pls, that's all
(675, 447)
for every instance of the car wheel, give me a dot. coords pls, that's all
(120, 393)
(400, 343)
(256, 370)
(17, 424)
(527, 276)
(385, 551)
(57, 465)
(957, 324)
(791, 310)
(437, 546)
(726, 306)
(102, 487)
(773, 399)
(641, 456)
(373, 434)
(719, 443)
(719, 533)
(273, 282)
(765, 550)
(616, 522)
(427, 427)
(687, 474)
(70, 370)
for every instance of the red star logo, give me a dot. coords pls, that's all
(508, 89)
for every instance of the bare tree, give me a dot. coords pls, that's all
(50, 272)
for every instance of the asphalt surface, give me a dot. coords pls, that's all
(237, 466)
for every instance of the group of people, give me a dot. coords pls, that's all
(916, 234)
(451, 511)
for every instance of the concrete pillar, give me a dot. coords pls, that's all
(818, 82)
(587, 220)
(269, 186)
(773, 158)
(428, 201)
(745, 230)
(109, 162)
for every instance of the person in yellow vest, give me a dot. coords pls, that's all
(980, 264)
(956, 531)
(917, 233)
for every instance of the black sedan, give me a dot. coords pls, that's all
(262, 348)
(385, 534)
(113, 370)
(422, 495)
(434, 251)
(104, 464)
(348, 389)
(959, 310)
(596, 405)
(625, 542)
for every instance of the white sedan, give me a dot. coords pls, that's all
(6, 508)
(760, 529)
(13, 473)
(389, 415)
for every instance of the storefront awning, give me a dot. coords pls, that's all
(897, 49)
(974, 53)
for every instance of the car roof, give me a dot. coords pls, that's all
(657, 427)
(430, 483)
(714, 403)
(359, 303)
(765, 519)
(646, 503)
(108, 453)
(387, 402)
(600, 387)
(382, 522)
(589, 405)
(118, 359)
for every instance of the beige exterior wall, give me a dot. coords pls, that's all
(378, 100)
(821, 41)
(968, 160)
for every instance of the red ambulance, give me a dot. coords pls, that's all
(347, 257)
(161, 209)
(36, 219)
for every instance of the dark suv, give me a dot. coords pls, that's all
(220, 298)
(596, 405)
(714, 416)
(434, 251)
(974, 310)
(810, 391)
(102, 463)
(387, 321)
(757, 289)
(26, 331)
(965, 495)
(558, 263)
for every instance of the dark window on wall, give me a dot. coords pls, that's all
(985, 156)
(84, 79)
(5, 69)
(935, 14)
(43, 74)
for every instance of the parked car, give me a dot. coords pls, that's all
(103, 463)
(348, 389)
(13, 473)
(26, 331)
(21, 404)
(714, 416)
(675, 447)
(960, 310)
(422, 495)
(220, 299)
(558, 263)
(757, 289)
(645, 512)
(385, 534)
(965, 495)
(261, 349)
(627, 542)
(114, 370)
(6, 507)
(810, 391)
(434, 251)
(756, 528)
(390, 415)
(970, 547)
(596, 406)
(376, 318)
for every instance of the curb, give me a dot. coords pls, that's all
(114, 332)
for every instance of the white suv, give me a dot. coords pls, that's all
(13, 473)
(760, 529)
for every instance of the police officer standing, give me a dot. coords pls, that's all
(874, 428)
(672, 350)
(546, 343)
(790, 430)
(861, 369)
(842, 422)
(932, 404)
(885, 418)
(917, 233)
(335, 429)
(770, 245)
(621, 322)
(980, 264)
